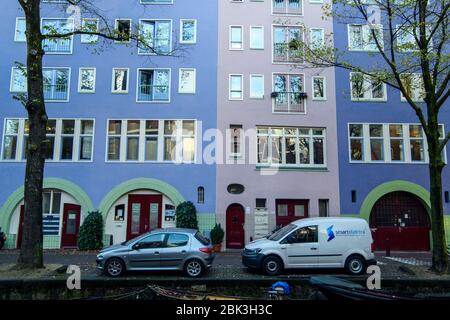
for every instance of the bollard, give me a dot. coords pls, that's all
(387, 244)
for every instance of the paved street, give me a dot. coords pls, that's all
(228, 266)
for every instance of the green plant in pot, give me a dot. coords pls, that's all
(217, 235)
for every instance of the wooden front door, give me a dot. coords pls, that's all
(20, 230)
(289, 210)
(235, 227)
(144, 214)
(71, 225)
(400, 219)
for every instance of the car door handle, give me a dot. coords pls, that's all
(313, 248)
(184, 251)
(156, 252)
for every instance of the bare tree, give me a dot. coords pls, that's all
(31, 251)
(409, 45)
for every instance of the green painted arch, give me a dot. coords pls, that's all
(72, 189)
(392, 186)
(139, 184)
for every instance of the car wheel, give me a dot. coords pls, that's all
(114, 267)
(355, 265)
(272, 266)
(194, 268)
(2, 243)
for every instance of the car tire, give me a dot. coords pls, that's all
(194, 268)
(272, 266)
(114, 267)
(2, 243)
(355, 265)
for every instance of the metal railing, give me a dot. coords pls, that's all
(287, 7)
(290, 102)
(56, 92)
(153, 93)
(283, 53)
(57, 45)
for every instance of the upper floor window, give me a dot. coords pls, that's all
(86, 80)
(61, 27)
(156, 35)
(236, 87)
(236, 38)
(89, 25)
(360, 37)
(188, 31)
(287, 44)
(153, 85)
(319, 88)
(413, 83)
(68, 139)
(294, 7)
(256, 37)
(21, 27)
(123, 30)
(56, 84)
(200, 195)
(18, 80)
(366, 88)
(291, 146)
(289, 93)
(187, 81)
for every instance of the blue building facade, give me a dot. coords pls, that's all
(125, 123)
(382, 149)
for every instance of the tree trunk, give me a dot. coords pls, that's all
(440, 259)
(31, 251)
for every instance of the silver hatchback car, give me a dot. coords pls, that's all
(160, 249)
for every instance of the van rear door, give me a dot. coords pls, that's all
(301, 247)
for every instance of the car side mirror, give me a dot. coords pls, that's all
(136, 246)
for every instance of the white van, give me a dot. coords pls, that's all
(314, 243)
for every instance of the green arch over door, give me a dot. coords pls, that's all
(139, 184)
(72, 189)
(392, 186)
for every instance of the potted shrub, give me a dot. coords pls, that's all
(217, 235)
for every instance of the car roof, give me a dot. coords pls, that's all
(182, 230)
(326, 219)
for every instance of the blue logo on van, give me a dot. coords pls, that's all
(330, 233)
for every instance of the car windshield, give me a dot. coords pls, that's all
(125, 243)
(278, 235)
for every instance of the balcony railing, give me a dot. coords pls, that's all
(287, 7)
(56, 92)
(283, 53)
(153, 93)
(289, 102)
(57, 45)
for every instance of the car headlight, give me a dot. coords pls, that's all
(99, 257)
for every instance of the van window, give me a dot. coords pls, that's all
(304, 235)
(279, 234)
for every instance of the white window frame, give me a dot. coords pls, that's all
(152, 52)
(71, 37)
(79, 79)
(16, 39)
(113, 80)
(230, 86)
(324, 98)
(169, 81)
(415, 90)
(194, 41)
(116, 27)
(367, 98)
(252, 96)
(194, 71)
(231, 38)
(251, 35)
(84, 36)
(365, 37)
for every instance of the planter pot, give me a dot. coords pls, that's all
(217, 247)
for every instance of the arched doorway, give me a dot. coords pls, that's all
(235, 232)
(403, 219)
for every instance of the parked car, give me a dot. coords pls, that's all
(2, 238)
(314, 243)
(161, 249)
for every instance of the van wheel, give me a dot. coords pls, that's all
(272, 266)
(355, 265)
(114, 267)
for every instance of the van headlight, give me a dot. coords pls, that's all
(253, 251)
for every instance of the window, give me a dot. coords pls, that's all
(68, 139)
(287, 44)
(288, 93)
(56, 84)
(256, 86)
(156, 37)
(296, 147)
(324, 208)
(261, 203)
(120, 79)
(123, 30)
(236, 87)
(291, 7)
(21, 27)
(360, 37)
(51, 212)
(200, 195)
(18, 79)
(236, 38)
(57, 45)
(387, 143)
(153, 85)
(304, 235)
(188, 31)
(235, 188)
(187, 81)
(413, 83)
(406, 37)
(317, 38)
(319, 88)
(177, 240)
(153, 241)
(86, 80)
(236, 136)
(140, 140)
(366, 88)
(256, 37)
(89, 25)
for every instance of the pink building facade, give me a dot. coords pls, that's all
(278, 118)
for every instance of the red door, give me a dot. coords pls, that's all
(144, 214)
(235, 227)
(289, 210)
(401, 220)
(71, 225)
(20, 230)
